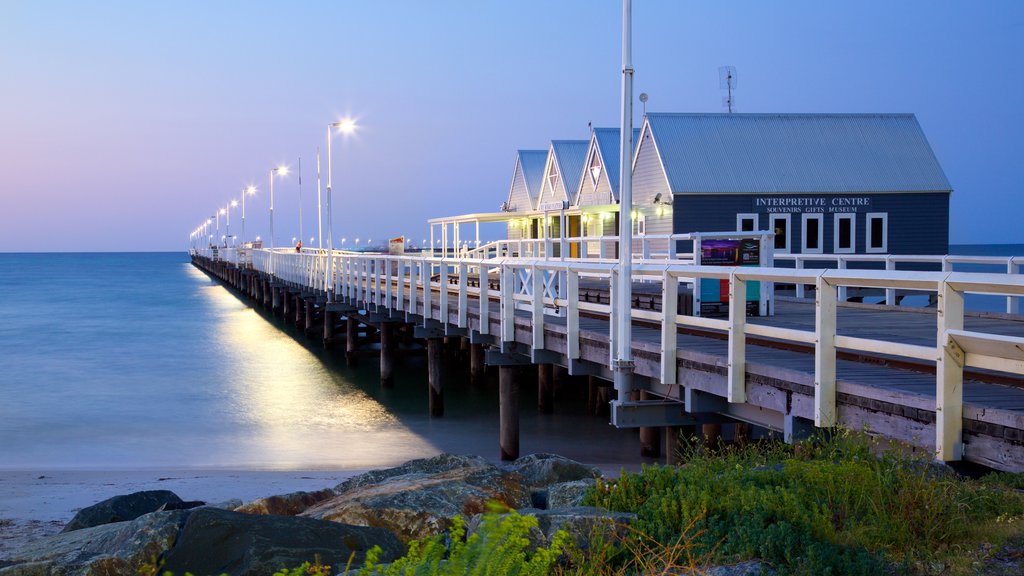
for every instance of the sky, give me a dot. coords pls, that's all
(124, 124)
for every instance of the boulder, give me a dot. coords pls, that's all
(116, 548)
(285, 504)
(542, 470)
(419, 498)
(121, 508)
(568, 494)
(215, 541)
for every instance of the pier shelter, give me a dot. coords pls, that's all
(822, 183)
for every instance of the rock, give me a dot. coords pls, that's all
(286, 504)
(121, 508)
(541, 470)
(116, 548)
(419, 498)
(749, 568)
(568, 494)
(231, 504)
(215, 541)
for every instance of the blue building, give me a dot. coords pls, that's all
(823, 183)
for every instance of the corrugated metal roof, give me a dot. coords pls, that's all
(532, 163)
(571, 155)
(777, 153)
(608, 144)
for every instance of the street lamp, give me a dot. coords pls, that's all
(247, 191)
(345, 126)
(232, 204)
(282, 170)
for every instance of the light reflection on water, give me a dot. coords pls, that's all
(140, 361)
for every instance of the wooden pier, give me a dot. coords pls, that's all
(940, 379)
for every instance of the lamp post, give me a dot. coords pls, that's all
(247, 191)
(622, 368)
(232, 204)
(346, 126)
(282, 170)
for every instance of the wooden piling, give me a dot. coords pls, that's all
(386, 355)
(712, 435)
(592, 395)
(328, 326)
(435, 360)
(742, 434)
(477, 368)
(309, 315)
(351, 340)
(650, 437)
(545, 389)
(286, 301)
(508, 409)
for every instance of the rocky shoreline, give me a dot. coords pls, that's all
(387, 508)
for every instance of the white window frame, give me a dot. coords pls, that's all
(852, 217)
(884, 216)
(641, 224)
(595, 178)
(821, 233)
(749, 216)
(789, 231)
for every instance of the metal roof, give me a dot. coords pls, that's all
(779, 153)
(571, 156)
(608, 145)
(532, 164)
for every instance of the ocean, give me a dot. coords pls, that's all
(140, 361)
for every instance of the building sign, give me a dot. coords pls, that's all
(548, 206)
(811, 204)
(728, 252)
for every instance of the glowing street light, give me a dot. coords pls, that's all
(345, 126)
(247, 191)
(283, 171)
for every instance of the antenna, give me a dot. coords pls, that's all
(727, 81)
(643, 100)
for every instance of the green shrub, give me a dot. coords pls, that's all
(826, 507)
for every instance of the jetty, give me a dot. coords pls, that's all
(938, 378)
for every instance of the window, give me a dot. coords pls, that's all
(878, 232)
(746, 223)
(595, 167)
(813, 233)
(641, 224)
(844, 239)
(780, 227)
(553, 178)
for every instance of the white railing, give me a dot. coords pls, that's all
(1004, 264)
(414, 284)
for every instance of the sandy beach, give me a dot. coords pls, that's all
(34, 504)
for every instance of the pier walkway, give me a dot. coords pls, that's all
(939, 379)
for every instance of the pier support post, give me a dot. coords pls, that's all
(742, 434)
(545, 389)
(672, 441)
(592, 395)
(275, 299)
(309, 315)
(477, 367)
(712, 435)
(508, 409)
(435, 360)
(351, 340)
(386, 354)
(650, 437)
(286, 300)
(328, 326)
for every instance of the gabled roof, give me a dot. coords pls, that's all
(529, 163)
(607, 140)
(570, 157)
(532, 163)
(779, 153)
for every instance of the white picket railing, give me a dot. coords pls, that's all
(414, 284)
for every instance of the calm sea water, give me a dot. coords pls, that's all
(137, 361)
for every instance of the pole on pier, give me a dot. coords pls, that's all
(622, 367)
(351, 340)
(476, 364)
(387, 353)
(508, 409)
(545, 389)
(285, 303)
(435, 360)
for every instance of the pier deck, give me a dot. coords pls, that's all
(881, 370)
